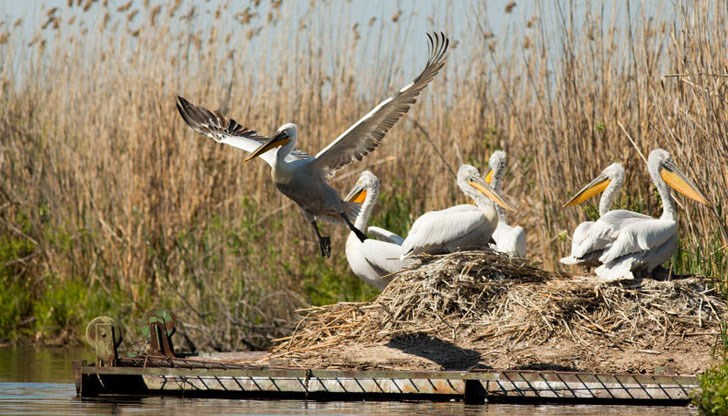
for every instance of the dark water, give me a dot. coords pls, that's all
(40, 382)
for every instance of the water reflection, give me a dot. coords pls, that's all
(44, 365)
(39, 382)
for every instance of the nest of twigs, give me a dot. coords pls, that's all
(495, 305)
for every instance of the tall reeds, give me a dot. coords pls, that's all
(109, 204)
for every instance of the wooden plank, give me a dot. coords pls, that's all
(491, 384)
(545, 385)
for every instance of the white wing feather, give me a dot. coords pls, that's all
(510, 240)
(384, 257)
(366, 134)
(623, 267)
(638, 236)
(385, 235)
(600, 235)
(373, 261)
(228, 131)
(435, 231)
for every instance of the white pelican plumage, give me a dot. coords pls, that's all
(587, 243)
(642, 244)
(508, 239)
(461, 227)
(304, 178)
(371, 260)
(382, 234)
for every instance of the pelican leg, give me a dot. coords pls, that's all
(324, 242)
(360, 235)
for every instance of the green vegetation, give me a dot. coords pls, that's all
(713, 399)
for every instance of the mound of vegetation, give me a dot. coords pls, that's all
(479, 309)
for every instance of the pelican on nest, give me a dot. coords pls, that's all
(461, 227)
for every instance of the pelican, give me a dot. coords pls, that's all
(382, 234)
(461, 227)
(508, 239)
(591, 238)
(304, 178)
(371, 260)
(645, 243)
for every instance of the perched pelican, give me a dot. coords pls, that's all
(508, 239)
(645, 243)
(587, 243)
(371, 260)
(461, 227)
(304, 178)
(382, 234)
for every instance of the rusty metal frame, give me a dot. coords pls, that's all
(149, 376)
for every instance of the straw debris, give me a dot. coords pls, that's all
(498, 312)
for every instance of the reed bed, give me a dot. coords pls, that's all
(108, 201)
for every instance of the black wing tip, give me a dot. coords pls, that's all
(183, 105)
(187, 110)
(438, 44)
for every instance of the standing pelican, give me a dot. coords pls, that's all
(508, 239)
(303, 178)
(371, 260)
(591, 238)
(645, 243)
(461, 227)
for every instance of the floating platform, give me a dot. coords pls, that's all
(213, 377)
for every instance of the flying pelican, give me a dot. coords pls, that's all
(371, 260)
(590, 238)
(508, 239)
(304, 178)
(461, 227)
(645, 243)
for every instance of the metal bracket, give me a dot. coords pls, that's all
(161, 328)
(104, 335)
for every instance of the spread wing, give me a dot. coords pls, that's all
(226, 130)
(639, 236)
(367, 133)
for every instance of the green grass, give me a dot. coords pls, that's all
(65, 307)
(708, 259)
(16, 289)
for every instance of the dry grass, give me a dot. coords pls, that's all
(506, 313)
(104, 185)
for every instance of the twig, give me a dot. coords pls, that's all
(702, 74)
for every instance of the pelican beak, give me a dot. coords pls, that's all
(485, 189)
(357, 195)
(280, 139)
(488, 178)
(597, 186)
(679, 182)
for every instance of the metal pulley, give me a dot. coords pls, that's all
(104, 335)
